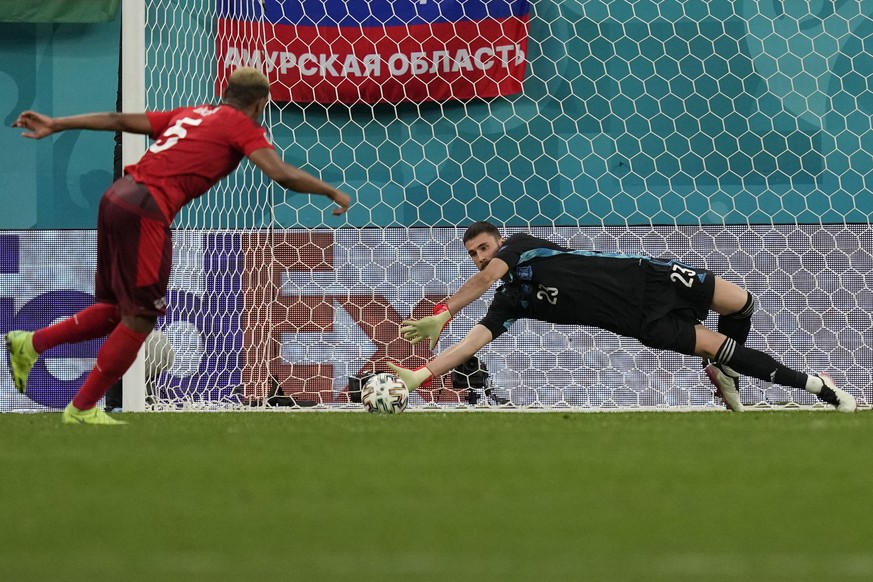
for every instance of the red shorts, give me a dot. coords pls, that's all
(134, 251)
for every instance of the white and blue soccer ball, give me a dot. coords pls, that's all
(385, 393)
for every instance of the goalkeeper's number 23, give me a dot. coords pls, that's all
(683, 275)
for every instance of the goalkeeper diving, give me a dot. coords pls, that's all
(660, 302)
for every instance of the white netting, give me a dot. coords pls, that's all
(735, 135)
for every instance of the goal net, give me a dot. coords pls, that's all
(731, 135)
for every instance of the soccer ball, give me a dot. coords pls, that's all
(385, 393)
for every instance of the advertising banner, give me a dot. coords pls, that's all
(378, 51)
(301, 311)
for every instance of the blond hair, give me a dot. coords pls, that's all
(246, 85)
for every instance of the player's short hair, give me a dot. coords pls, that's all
(480, 227)
(246, 85)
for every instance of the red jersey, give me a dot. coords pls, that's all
(194, 148)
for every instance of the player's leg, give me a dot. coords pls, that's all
(142, 254)
(113, 360)
(24, 347)
(735, 307)
(694, 290)
(90, 323)
(750, 362)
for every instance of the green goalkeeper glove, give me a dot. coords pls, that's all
(412, 378)
(416, 330)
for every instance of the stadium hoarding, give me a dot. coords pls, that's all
(250, 311)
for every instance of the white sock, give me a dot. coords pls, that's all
(814, 384)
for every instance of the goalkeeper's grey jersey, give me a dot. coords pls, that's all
(552, 283)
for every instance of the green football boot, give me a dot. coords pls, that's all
(22, 357)
(73, 415)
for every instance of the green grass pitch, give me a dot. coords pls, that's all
(445, 497)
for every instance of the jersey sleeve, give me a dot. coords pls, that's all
(502, 312)
(509, 252)
(520, 244)
(160, 120)
(253, 138)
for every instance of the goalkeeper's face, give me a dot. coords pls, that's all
(482, 249)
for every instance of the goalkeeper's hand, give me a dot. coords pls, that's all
(413, 378)
(416, 330)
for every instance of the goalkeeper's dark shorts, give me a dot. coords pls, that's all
(134, 251)
(677, 298)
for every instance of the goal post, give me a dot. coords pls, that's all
(735, 136)
(133, 98)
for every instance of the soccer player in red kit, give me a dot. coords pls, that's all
(194, 147)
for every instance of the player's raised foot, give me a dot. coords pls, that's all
(73, 415)
(727, 385)
(22, 357)
(840, 399)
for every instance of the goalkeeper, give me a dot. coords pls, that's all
(659, 302)
(194, 148)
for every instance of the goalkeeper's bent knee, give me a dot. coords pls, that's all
(738, 325)
(748, 308)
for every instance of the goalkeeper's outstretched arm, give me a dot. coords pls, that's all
(475, 340)
(477, 285)
(430, 328)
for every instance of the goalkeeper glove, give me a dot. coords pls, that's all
(427, 327)
(413, 378)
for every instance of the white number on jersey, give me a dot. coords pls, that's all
(683, 275)
(173, 134)
(550, 294)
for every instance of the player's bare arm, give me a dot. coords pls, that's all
(431, 327)
(474, 341)
(40, 125)
(477, 285)
(298, 180)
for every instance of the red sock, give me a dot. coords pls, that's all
(92, 322)
(113, 360)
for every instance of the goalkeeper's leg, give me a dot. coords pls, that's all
(736, 324)
(757, 364)
(735, 307)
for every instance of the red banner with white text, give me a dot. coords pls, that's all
(379, 51)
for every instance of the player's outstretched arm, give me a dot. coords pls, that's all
(298, 180)
(477, 285)
(413, 379)
(40, 125)
(427, 328)
(474, 341)
(430, 328)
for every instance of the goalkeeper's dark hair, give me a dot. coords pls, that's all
(245, 86)
(480, 227)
